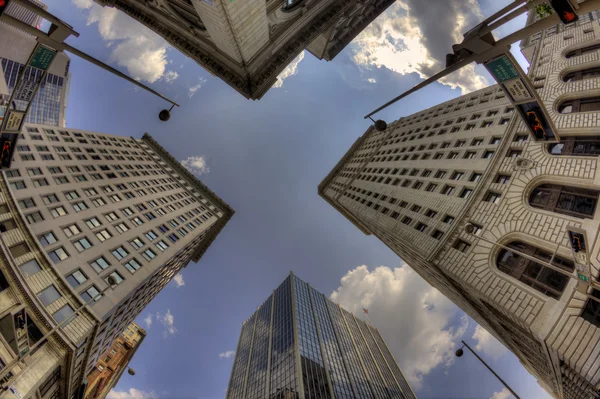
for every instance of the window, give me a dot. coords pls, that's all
(532, 273)
(34, 217)
(591, 312)
(120, 253)
(58, 255)
(90, 192)
(47, 239)
(100, 264)
(566, 200)
(71, 230)
(573, 145)
(71, 195)
(504, 121)
(136, 243)
(437, 234)
(587, 104)
(488, 154)
(61, 180)
(582, 74)
(30, 268)
(26, 203)
(448, 190)
(121, 227)
(466, 193)
(103, 235)
(80, 206)
(91, 295)
(406, 220)
(440, 174)
(486, 124)
(520, 138)
(18, 185)
(430, 213)
(421, 227)
(149, 254)
(492, 197)
(502, 179)
(99, 201)
(469, 155)
(14, 173)
(417, 185)
(151, 235)
(137, 220)
(475, 177)
(118, 278)
(583, 50)
(58, 212)
(92, 223)
(132, 265)
(111, 216)
(48, 295)
(76, 278)
(63, 313)
(416, 208)
(431, 187)
(457, 175)
(50, 199)
(461, 246)
(448, 219)
(452, 155)
(477, 229)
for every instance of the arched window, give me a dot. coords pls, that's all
(575, 145)
(583, 50)
(532, 273)
(572, 201)
(580, 105)
(582, 74)
(289, 5)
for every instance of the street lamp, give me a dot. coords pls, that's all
(131, 371)
(460, 352)
(380, 125)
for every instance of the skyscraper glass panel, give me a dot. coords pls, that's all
(257, 373)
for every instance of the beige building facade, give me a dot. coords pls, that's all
(75, 208)
(471, 160)
(247, 43)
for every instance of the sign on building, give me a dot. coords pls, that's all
(519, 90)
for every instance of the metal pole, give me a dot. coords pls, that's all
(542, 24)
(60, 46)
(493, 372)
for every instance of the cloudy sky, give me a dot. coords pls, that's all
(266, 158)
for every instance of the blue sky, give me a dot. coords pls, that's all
(265, 158)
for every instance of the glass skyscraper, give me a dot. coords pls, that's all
(300, 345)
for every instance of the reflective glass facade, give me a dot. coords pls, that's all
(46, 105)
(300, 345)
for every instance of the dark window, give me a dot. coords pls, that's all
(591, 312)
(582, 74)
(461, 246)
(492, 197)
(580, 105)
(502, 179)
(584, 145)
(583, 50)
(532, 273)
(437, 234)
(570, 201)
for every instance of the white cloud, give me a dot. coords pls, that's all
(503, 394)
(226, 355)
(192, 90)
(486, 343)
(289, 70)
(372, 80)
(170, 76)
(148, 321)
(179, 280)
(135, 47)
(414, 318)
(168, 322)
(196, 165)
(409, 38)
(131, 394)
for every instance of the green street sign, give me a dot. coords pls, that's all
(583, 277)
(502, 69)
(42, 58)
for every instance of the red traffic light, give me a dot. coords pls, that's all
(564, 10)
(3, 4)
(536, 126)
(5, 155)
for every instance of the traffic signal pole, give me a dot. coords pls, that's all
(499, 47)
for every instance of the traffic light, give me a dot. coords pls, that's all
(564, 10)
(3, 5)
(533, 120)
(5, 155)
(577, 242)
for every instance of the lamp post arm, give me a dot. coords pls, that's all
(492, 371)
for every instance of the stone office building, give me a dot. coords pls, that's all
(301, 345)
(247, 43)
(76, 208)
(417, 185)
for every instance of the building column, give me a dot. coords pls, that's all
(323, 355)
(250, 355)
(335, 333)
(296, 341)
(268, 383)
(362, 364)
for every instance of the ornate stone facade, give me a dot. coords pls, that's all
(470, 160)
(247, 43)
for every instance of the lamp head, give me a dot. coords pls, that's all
(164, 115)
(459, 352)
(131, 371)
(380, 125)
(469, 228)
(111, 280)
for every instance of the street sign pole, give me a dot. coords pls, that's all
(519, 90)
